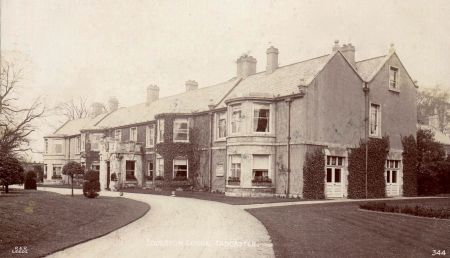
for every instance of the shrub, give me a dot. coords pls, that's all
(417, 210)
(377, 154)
(410, 163)
(30, 180)
(91, 185)
(314, 175)
(434, 178)
(159, 178)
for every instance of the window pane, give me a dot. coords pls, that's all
(328, 160)
(261, 118)
(329, 175)
(388, 176)
(394, 176)
(337, 175)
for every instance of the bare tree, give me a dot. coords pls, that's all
(15, 122)
(73, 109)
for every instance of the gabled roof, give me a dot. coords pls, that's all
(187, 102)
(439, 136)
(368, 68)
(283, 81)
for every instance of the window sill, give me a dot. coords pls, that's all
(375, 136)
(181, 141)
(394, 90)
(220, 140)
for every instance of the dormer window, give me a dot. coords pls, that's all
(393, 78)
(261, 118)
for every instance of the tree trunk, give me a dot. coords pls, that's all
(6, 188)
(71, 177)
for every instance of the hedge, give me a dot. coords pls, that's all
(30, 180)
(377, 154)
(410, 165)
(91, 185)
(314, 175)
(417, 210)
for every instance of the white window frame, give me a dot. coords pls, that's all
(148, 174)
(397, 78)
(173, 167)
(268, 165)
(95, 142)
(218, 117)
(133, 136)
(232, 169)
(46, 146)
(118, 134)
(377, 133)
(254, 126)
(58, 142)
(186, 131)
(160, 132)
(158, 171)
(388, 167)
(235, 108)
(150, 136)
(79, 144)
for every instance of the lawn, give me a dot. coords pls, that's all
(45, 222)
(342, 230)
(217, 197)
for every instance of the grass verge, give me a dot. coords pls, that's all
(341, 230)
(45, 222)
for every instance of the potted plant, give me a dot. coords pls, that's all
(262, 181)
(234, 180)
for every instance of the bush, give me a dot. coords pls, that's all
(159, 178)
(30, 180)
(434, 178)
(314, 175)
(114, 177)
(417, 210)
(91, 185)
(376, 185)
(410, 163)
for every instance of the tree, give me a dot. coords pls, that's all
(71, 169)
(73, 109)
(434, 101)
(429, 149)
(15, 121)
(11, 172)
(30, 180)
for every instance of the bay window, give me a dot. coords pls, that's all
(180, 130)
(261, 118)
(261, 168)
(180, 169)
(57, 146)
(235, 169)
(235, 119)
(118, 134)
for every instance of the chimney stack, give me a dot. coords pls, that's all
(152, 94)
(336, 45)
(96, 109)
(191, 85)
(349, 52)
(113, 104)
(272, 59)
(246, 66)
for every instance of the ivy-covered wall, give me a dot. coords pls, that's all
(170, 150)
(410, 166)
(314, 174)
(376, 186)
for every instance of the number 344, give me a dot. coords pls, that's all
(438, 252)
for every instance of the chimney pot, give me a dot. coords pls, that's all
(113, 104)
(272, 59)
(336, 46)
(191, 85)
(246, 66)
(349, 52)
(152, 94)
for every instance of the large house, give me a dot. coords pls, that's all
(248, 136)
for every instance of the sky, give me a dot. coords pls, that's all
(99, 49)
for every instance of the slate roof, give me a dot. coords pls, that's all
(187, 102)
(283, 81)
(73, 127)
(368, 68)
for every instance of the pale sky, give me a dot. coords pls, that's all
(109, 48)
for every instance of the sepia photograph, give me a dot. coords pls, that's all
(224, 128)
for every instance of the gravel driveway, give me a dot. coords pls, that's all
(179, 227)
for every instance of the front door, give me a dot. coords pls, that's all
(393, 178)
(334, 186)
